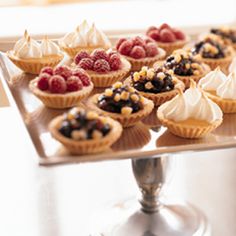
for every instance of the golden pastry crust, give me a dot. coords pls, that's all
(34, 65)
(190, 128)
(125, 120)
(226, 105)
(137, 64)
(86, 146)
(60, 101)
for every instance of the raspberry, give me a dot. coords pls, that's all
(43, 81)
(167, 36)
(138, 41)
(149, 40)
(47, 69)
(120, 41)
(74, 83)
(101, 65)
(83, 76)
(178, 34)
(86, 63)
(151, 28)
(115, 62)
(154, 35)
(137, 52)
(110, 53)
(151, 50)
(164, 26)
(57, 84)
(80, 55)
(126, 47)
(63, 71)
(99, 54)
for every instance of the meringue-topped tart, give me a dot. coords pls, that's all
(85, 37)
(190, 114)
(31, 56)
(223, 92)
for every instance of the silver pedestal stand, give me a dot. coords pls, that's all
(155, 218)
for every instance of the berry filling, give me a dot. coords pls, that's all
(100, 61)
(120, 99)
(137, 47)
(153, 81)
(62, 79)
(210, 47)
(183, 63)
(165, 34)
(79, 124)
(225, 33)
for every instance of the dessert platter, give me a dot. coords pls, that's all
(88, 96)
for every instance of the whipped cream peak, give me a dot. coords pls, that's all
(192, 104)
(48, 47)
(227, 89)
(212, 80)
(86, 36)
(21, 41)
(30, 49)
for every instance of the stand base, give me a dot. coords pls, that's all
(170, 220)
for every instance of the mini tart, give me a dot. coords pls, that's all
(186, 78)
(34, 65)
(59, 101)
(126, 116)
(137, 64)
(213, 52)
(161, 97)
(89, 145)
(101, 80)
(190, 128)
(226, 105)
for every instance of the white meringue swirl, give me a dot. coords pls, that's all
(227, 89)
(212, 80)
(86, 36)
(48, 47)
(21, 42)
(191, 104)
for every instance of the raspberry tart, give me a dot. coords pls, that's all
(190, 114)
(139, 52)
(104, 67)
(167, 37)
(228, 34)
(84, 38)
(212, 51)
(61, 87)
(158, 85)
(122, 103)
(185, 66)
(221, 89)
(31, 56)
(83, 132)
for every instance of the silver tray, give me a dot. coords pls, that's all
(147, 139)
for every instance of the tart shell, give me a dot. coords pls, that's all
(59, 101)
(187, 130)
(126, 121)
(86, 146)
(226, 105)
(34, 65)
(160, 98)
(137, 64)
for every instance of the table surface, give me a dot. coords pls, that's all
(61, 200)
